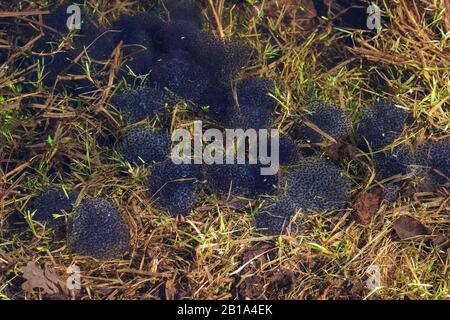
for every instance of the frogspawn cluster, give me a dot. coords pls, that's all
(177, 61)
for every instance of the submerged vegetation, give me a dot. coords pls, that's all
(85, 123)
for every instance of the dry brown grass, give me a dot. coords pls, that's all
(215, 253)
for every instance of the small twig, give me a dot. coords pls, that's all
(22, 14)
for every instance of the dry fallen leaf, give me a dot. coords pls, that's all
(283, 280)
(341, 150)
(251, 283)
(408, 228)
(54, 277)
(367, 205)
(47, 281)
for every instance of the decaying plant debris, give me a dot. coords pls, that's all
(72, 133)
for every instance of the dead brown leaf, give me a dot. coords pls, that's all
(54, 277)
(48, 281)
(250, 284)
(409, 228)
(367, 205)
(341, 150)
(282, 281)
